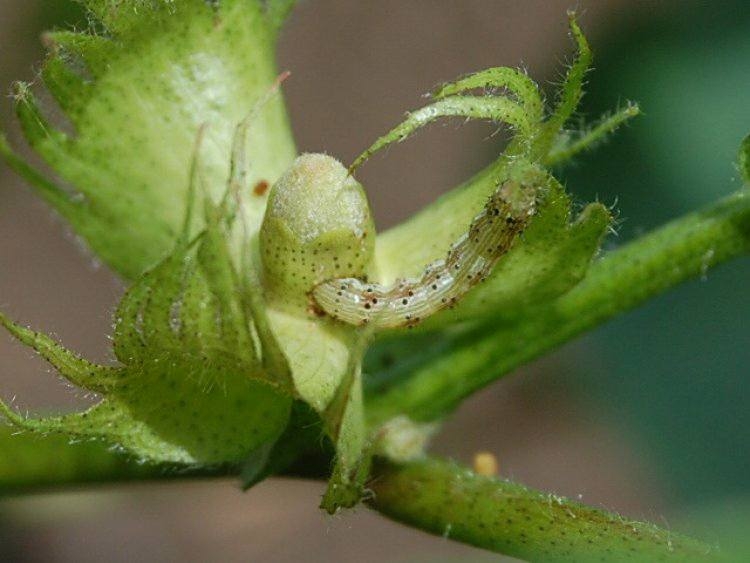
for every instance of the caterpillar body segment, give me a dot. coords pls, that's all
(468, 262)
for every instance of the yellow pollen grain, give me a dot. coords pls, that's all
(485, 463)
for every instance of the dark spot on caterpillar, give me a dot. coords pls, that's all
(368, 306)
(261, 188)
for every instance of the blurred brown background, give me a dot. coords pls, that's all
(356, 67)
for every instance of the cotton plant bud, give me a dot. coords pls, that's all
(317, 226)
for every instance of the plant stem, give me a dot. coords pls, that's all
(436, 496)
(446, 499)
(29, 462)
(683, 249)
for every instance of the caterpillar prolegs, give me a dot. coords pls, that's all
(469, 261)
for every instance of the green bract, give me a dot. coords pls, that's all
(220, 342)
(192, 387)
(136, 88)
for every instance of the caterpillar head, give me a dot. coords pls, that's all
(317, 226)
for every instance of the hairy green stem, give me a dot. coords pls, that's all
(683, 249)
(436, 496)
(29, 462)
(446, 499)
